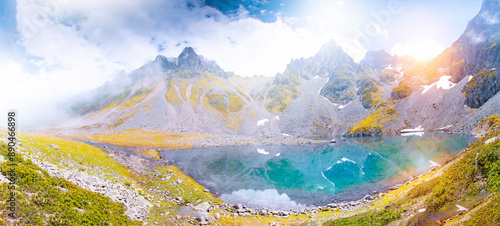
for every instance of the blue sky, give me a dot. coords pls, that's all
(53, 49)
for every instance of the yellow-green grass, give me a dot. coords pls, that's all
(172, 93)
(137, 97)
(117, 99)
(75, 155)
(146, 138)
(373, 123)
(42, 199)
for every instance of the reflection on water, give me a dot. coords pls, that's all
(294, 176)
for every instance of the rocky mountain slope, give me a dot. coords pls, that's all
(451, 92)
(187, 93)
(325, 95)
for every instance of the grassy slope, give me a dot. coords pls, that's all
(42, 199)
(146, 138)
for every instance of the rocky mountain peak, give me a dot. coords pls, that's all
(189, 59)
(485, 24)
(377, 60)
(330, 58)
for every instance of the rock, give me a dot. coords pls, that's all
(202, 207)
(206, 190)
(332, 205)
(178, 181)
(2, 159)
(368, 197)
(272, 223)
(169, 171)
(54, 146)
(245, 214)
(238, 207)
(421, 210)
(217, 216)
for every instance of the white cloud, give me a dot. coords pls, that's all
(418, 49)
(77, 45)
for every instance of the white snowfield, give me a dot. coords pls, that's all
(446, 127)
(434, 163)
(420, 134)
(262, 151)
(262, 122)
(443, 83)
(418, 129)
(343, 106)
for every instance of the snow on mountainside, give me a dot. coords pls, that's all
(326, 94)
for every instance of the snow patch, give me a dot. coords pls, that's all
(418, 129)
(277, 117)
(461, 208)
(278, 154)
(343, 106)
(420, 134)
(470, 77)
(443, 83)
(491, 140)
(262, 151)
(319, 91)
(434, 164)
(262, 122)
(315, 77)
(446, 127)
(286, 135)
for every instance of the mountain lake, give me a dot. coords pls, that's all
(307, 175)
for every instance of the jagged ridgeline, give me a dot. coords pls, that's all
(326, 94)
(190, 93)
(187, 93)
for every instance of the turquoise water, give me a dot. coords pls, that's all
(299, 176)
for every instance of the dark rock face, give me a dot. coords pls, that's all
(187, 64)
(188, 59)
(470, 53)
(401, 91)
(369, 92)
(341, 88)
(328, 60)
(377, 60)
(481, 88)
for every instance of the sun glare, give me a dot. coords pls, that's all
(419, 50)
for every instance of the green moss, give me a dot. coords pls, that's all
(381, 217)
(279, 96)
(401, 91)
(43, 200)
(340, 88)
(487, 215)
(172, 93)
(458, 180)
(370, 92)
(373, 123)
